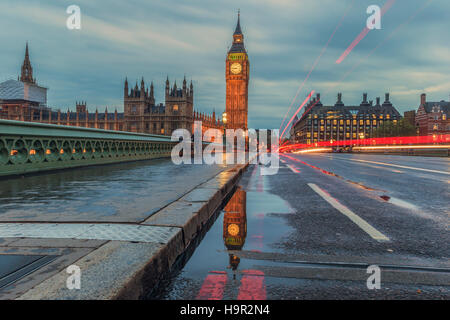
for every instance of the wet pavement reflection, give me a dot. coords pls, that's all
(252, 220)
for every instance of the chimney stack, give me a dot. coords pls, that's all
(423, 98)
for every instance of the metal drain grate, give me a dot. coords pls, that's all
(15, 267)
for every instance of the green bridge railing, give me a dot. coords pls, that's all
(27, 147)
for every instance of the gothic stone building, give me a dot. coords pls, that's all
(141, 114)
(24, 100)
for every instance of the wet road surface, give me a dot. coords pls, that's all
(311, 231)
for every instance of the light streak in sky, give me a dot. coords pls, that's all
(298, 110)
(363, 33)
(380, 43)
(316, 61)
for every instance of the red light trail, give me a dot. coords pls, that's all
(316, 61)
(298, 110)
(252, 286)
(411, 142)
(363, 33)
(379, 44)
(213, 286)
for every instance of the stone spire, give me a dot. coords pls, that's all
(27, 70)
(238, 25)
(238, 38)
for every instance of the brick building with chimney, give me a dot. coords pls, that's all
(432, 118)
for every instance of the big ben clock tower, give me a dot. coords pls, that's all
(237, 72)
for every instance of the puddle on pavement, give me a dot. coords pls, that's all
(249, 221)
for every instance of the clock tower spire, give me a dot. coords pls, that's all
(237, 72)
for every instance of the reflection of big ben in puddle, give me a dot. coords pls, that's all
(235, 224)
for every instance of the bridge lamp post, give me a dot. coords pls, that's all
(224, 121)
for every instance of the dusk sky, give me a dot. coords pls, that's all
(156, 38)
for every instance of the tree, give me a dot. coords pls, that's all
(390, 129)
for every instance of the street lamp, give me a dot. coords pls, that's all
(361, 136)
(224, 121)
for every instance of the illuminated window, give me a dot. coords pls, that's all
(315, 116)
(335, 122)
(354, 122)
(175, 107)
(361, 122)
(308, 134)
(444, 117)
(348, 122)
(321, 128)
(388, 116)
(368, 122)
(341, 122)
(354, 135)
(315, 134)
(395, 121)
(162, 130)
(374, 122)
(321, 121)
(347, 135)
(381, 116)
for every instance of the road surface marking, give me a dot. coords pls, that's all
(371, 231)
(252, 286)
(400, 166)
(292, 168)
(213, 286)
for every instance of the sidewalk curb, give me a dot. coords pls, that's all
(127, 270)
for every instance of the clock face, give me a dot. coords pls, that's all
(233, 229)
(236, 68)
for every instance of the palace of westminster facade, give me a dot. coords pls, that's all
(24, 100)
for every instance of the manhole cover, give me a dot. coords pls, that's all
(14, 267)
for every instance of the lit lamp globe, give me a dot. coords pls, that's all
(224, 118)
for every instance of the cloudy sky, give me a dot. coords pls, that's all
(156, 38)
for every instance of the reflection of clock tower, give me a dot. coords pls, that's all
(237, 74)
(235, 224)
